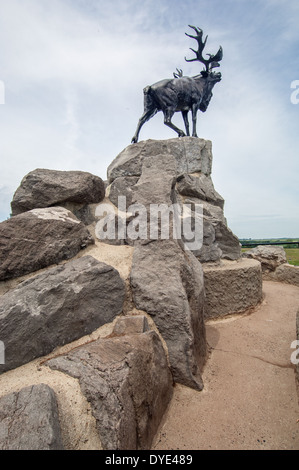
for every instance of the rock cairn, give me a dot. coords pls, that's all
(95, 331)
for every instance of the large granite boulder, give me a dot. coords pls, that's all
(57, 307)
(167, 283)
(39, 238)
(29, 420)
(287, 273)
(269, 256)
(45, 188)
(126, 379)
(191, 154)
(175, 172)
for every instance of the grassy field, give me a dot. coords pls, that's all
(292, 256)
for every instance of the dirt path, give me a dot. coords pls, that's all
(250, 399)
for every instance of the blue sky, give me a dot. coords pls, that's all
(74, 72)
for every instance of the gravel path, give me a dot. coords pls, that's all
(250, 399)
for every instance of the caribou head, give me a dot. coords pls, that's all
(183, 93)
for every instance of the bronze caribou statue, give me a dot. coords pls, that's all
(183, 93)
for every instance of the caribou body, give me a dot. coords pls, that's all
(182, 93)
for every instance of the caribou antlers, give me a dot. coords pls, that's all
(179, 73)
(210, 63)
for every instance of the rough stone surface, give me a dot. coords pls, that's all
(287, 273)
(29, 420)
(155, 186)
(176, 171)
(210, 250)
(157, 180)
(84, 212)
(45, 188)
(270, 256)
(192, 155)
(232, 287)
(218, 240)
(40, 238)
(167, 283)
(57, 307)
(122, 187)
(127, 381)
(129, 325)
(227, 241)
(199, 186)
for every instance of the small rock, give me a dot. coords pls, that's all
(29, 420)
(131, 325)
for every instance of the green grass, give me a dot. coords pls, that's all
(292, 256)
